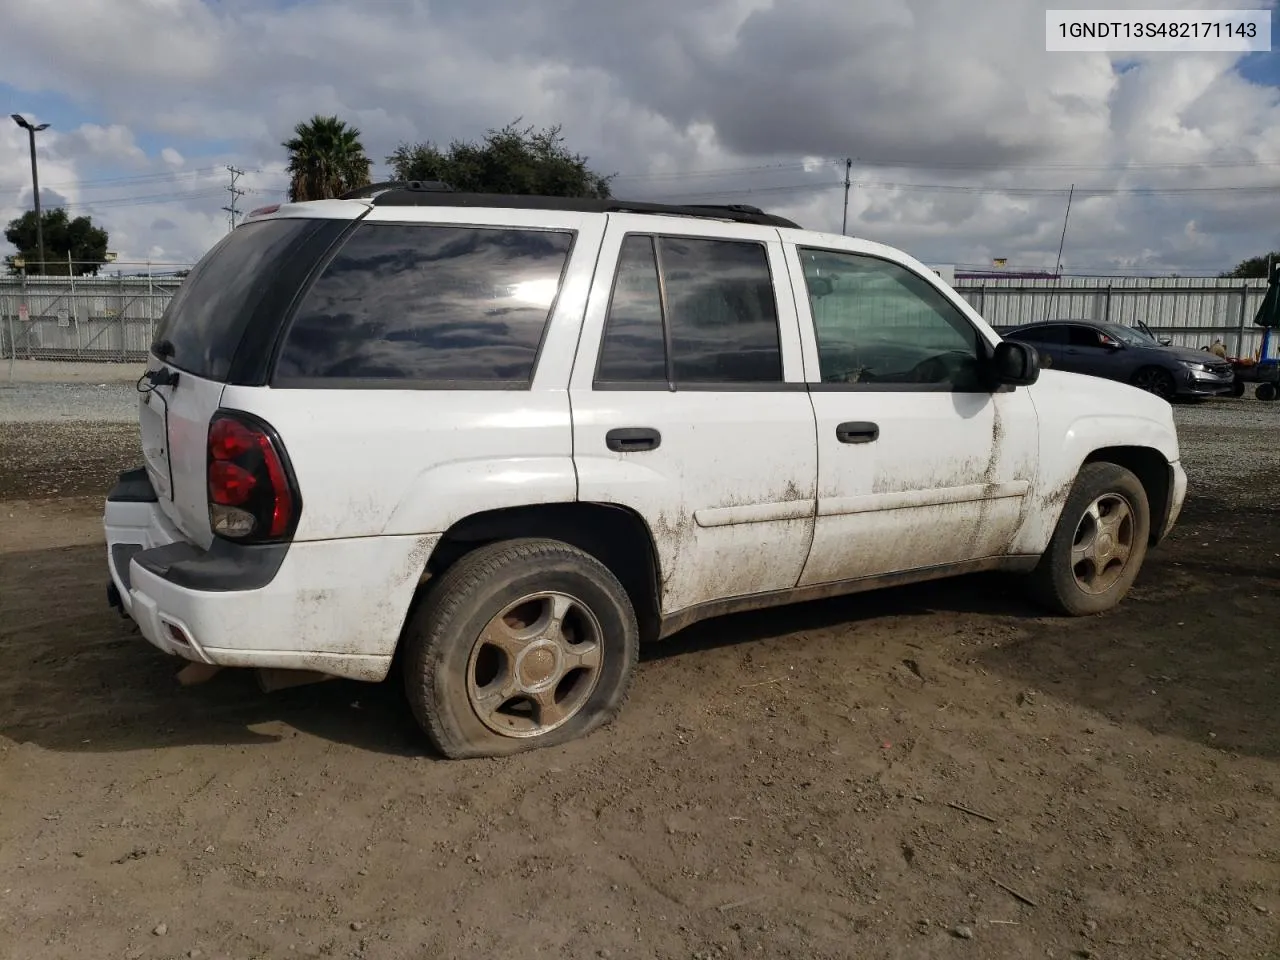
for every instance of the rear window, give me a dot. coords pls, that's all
(430, 304)
(205, 321)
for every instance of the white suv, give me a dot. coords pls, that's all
(510, 438)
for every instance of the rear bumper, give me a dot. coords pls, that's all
(332, 606)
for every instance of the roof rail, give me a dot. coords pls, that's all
(374, 189)
(433, 194)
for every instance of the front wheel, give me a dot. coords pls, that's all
(1156, 380)
(520, 644)
(1265, 391)
(1098, 545)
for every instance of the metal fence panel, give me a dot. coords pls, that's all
(114, 318)
(1191, 311)
(86, 318)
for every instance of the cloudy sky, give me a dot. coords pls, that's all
(965, 134)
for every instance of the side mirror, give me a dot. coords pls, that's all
(1166, 342)
(1015, 364)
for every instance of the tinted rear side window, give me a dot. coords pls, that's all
(718, 310)
(432, 304)
(634, 349)
(205, 321)
(724, 320)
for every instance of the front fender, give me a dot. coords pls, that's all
(1078, 417)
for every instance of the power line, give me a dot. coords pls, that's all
(170, 176)
(236, 193)
(904, 164)
(1269, 189)
(722, 171)
(145, 199)
(110, 183)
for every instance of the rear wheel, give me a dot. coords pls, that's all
(1265, 391)
(1156, 380)
(520, 644)
(1237, 388)
(1099, 544)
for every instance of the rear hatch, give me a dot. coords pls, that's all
(219, 328)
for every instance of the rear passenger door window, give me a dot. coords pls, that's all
(450, 306)
(634, 349)
(690, 312)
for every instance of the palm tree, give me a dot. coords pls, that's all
(326, 159)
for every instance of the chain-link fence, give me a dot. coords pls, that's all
(91, 318)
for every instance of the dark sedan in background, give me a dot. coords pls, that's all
(1122, 353)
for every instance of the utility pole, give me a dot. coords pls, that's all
(844, 221)
(236, 193)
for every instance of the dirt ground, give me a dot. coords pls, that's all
(786, 784)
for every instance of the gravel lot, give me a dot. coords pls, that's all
(931, 772)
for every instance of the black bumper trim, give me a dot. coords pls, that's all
(121, 554)
(1159, 522)
(132, 486)
(223, 568)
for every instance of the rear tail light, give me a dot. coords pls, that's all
(252, 496)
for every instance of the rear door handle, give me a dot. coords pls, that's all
(857, 431)
(632, 439)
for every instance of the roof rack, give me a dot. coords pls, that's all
(374, 189)
(433, 193)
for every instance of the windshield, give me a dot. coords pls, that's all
(1132, 336)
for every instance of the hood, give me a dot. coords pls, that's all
(1092, 395)
(1192, 355)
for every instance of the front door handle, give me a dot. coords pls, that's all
(632, 439)
(857, 431)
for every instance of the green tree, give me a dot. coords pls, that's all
(1254, 267)
(85, 244)
(326, 159)
(513, 160)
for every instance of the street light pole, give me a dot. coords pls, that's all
(32, 130)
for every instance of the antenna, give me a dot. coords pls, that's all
(233, 211)
(844, 221)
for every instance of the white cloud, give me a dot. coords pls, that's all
(960, 96)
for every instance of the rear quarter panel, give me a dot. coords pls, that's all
(373, 462)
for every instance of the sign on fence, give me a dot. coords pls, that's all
(64, 317)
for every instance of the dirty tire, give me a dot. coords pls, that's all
(1055, 582)
(441, 638)
(1237, 388)
(1265, 391)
